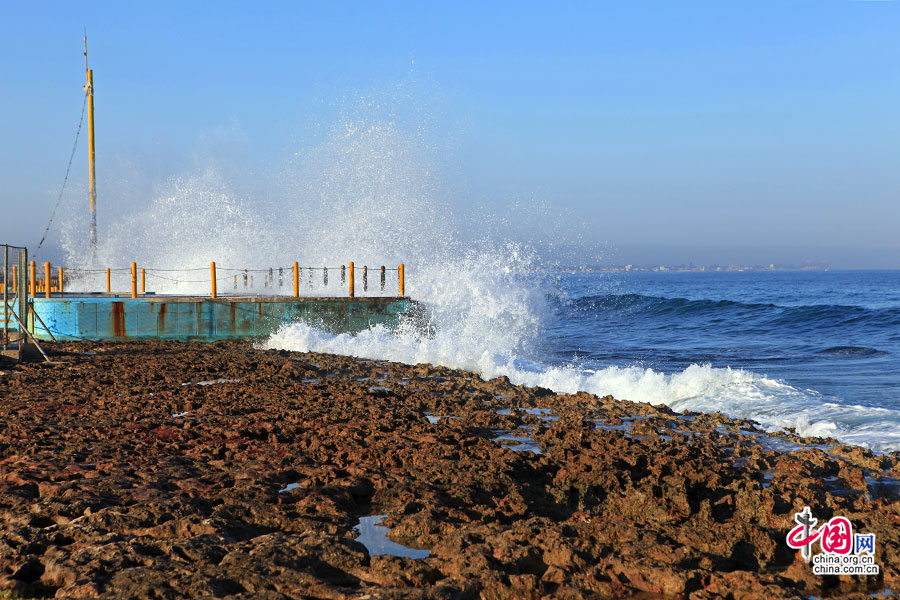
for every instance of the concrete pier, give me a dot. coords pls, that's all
(185, 318)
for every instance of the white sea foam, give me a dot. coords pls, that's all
(701, 388)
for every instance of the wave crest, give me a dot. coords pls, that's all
(817, 315)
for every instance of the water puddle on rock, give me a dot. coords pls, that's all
(433, 419)
(780, 445)
(772, 442)
(625, 426)
(831, 484)
(212, 382)
(544, 414)
(374, 537)
(883, 487)
(688, 433)
(517, 443)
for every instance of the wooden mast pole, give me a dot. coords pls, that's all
(89, 88)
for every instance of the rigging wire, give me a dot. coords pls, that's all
(66, 179)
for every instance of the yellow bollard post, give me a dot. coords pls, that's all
(108, 287)
(143, 281)
(212, 273)
(134, 280)
(352, 291)
(61, 279)
(401, 276)
(33, 277)
(47, 278)
(296, 280)
(15, 279)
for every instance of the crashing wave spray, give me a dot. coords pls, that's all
(365, 195)
(370, 194)
(194, 222)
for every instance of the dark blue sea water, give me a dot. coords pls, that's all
(823, 348)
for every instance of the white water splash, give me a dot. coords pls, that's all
(368, 195)
(372, 193)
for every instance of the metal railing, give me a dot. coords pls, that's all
(278, 281)
(14, 308)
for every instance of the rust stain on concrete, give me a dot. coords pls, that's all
(118, 319)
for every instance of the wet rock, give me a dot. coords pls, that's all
(104, 493)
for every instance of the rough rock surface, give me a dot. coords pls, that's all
(155, 470)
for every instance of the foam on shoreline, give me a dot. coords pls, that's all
(701, 388)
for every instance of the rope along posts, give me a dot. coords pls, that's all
(279, 281)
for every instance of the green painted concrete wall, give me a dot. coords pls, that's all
(205, 319)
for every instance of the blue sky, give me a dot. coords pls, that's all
(762, 131)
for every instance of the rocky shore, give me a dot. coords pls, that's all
(168, 470)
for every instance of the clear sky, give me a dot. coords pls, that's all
(709, 131)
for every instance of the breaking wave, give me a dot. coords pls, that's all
(817, 317)
(699, 388)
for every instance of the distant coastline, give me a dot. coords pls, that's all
(694, 268)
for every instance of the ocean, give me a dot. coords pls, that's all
(813, 350)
